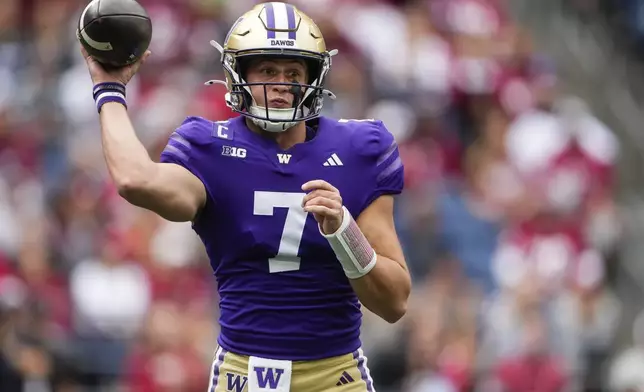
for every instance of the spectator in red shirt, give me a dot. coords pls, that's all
(533, 369)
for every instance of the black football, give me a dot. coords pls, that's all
(116, 33)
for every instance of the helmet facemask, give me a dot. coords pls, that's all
(307, 98)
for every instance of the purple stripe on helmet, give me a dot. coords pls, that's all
(363, 370)
(270, 20)
(290, 13)
(215, 373)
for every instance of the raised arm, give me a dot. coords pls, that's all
(164, 188)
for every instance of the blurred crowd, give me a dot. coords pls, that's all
(623, 17)
(508, 220)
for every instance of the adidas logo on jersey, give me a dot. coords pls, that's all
(345, 378)
(333, 161)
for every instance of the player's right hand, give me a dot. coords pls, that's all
(120, 75)
(325, 202)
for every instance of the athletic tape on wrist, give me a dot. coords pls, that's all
(351, 247)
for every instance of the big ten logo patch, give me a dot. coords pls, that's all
(235, 382)
(236, 152)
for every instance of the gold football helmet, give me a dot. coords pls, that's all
(275, 29)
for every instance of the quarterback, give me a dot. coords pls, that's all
(295, 210)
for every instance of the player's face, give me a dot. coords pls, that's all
(275, 71)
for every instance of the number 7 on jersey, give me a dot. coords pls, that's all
(264, 204)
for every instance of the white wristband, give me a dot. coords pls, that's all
(351, 247)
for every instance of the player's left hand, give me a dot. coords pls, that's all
(323, 200)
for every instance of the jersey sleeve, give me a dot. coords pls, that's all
(384, 168)
(186, 146)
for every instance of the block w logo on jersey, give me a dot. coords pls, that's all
(284, 158)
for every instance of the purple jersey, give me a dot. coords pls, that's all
(283, 294)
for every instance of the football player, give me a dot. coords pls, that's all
(295, 210)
